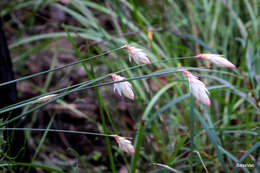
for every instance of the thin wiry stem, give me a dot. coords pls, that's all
(57, 130)
(166, 167)
(195, 151)
(30, 101)
(85, 85)
(55, 69)
(101, 105)
(87, 59)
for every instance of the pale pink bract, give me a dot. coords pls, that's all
(137, 54)
(124, 88)
(197, 88)
(124, 144)
(217, 59)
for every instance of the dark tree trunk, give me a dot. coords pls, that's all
(15, 140)
(8, 93)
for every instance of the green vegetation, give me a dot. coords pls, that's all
(169, 128)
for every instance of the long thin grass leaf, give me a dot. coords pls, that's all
(55, 69)
(233, 88)
(192, 132)
(161, 72)
(171, 103)
(33, 100)
(212, 139)
(34, 165)
(56, 131)
(101, 104)
(42, 139)
(155, 98)
(85, 86)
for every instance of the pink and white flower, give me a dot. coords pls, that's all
(124, 88)
(124, 144)
(217, 59)
(137, 54)
(197, 88)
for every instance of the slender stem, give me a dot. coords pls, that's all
(247, 128)
(57, 130)
(41, 142)
(137, 146)
(55, 69)
(110, 155)
(101, 104)
(31, 100)
(83, 87)
(191, 159)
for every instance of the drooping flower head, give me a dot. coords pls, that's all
(217, 59)
(124, 88)
(137, 54)
(197, 88)
(45, 99)
(124, 144)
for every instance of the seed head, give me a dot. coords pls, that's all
(217, 59)
(124, 144)
(197, 88)
(124, 88)
(45, 99)
(137, 54)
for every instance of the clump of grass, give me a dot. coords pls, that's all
(164, 114)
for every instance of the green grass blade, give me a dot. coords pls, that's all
(137, 144)
(56, 69)
(42, 139)
(56, 131)
(156, 98)
(212, 139)
(192, 133)
(6, 164)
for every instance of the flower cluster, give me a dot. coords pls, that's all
(197, 88)
(123, 87)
